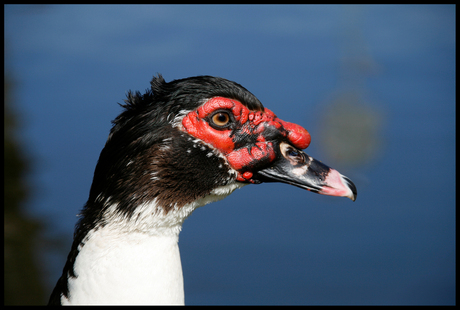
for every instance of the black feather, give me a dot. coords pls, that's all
(143, 141)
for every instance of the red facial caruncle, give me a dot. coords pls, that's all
(246, 138)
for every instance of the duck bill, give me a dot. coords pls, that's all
(297, 168)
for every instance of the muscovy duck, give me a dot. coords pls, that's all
(181, 145)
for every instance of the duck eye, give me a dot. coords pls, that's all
(220, 119)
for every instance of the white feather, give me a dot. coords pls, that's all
(135, 260)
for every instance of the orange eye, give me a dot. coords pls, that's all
(220, 119)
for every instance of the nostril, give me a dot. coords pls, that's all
(293, 153)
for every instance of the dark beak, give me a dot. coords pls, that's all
(295, 167)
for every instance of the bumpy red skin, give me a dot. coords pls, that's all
(248, 142)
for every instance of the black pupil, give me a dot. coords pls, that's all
(222, 118)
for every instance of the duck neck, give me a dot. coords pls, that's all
(119, 259)
(135, 267)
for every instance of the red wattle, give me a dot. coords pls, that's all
(255, 127)
(297, 135)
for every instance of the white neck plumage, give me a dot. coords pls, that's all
(135, 261)
(127, 268)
